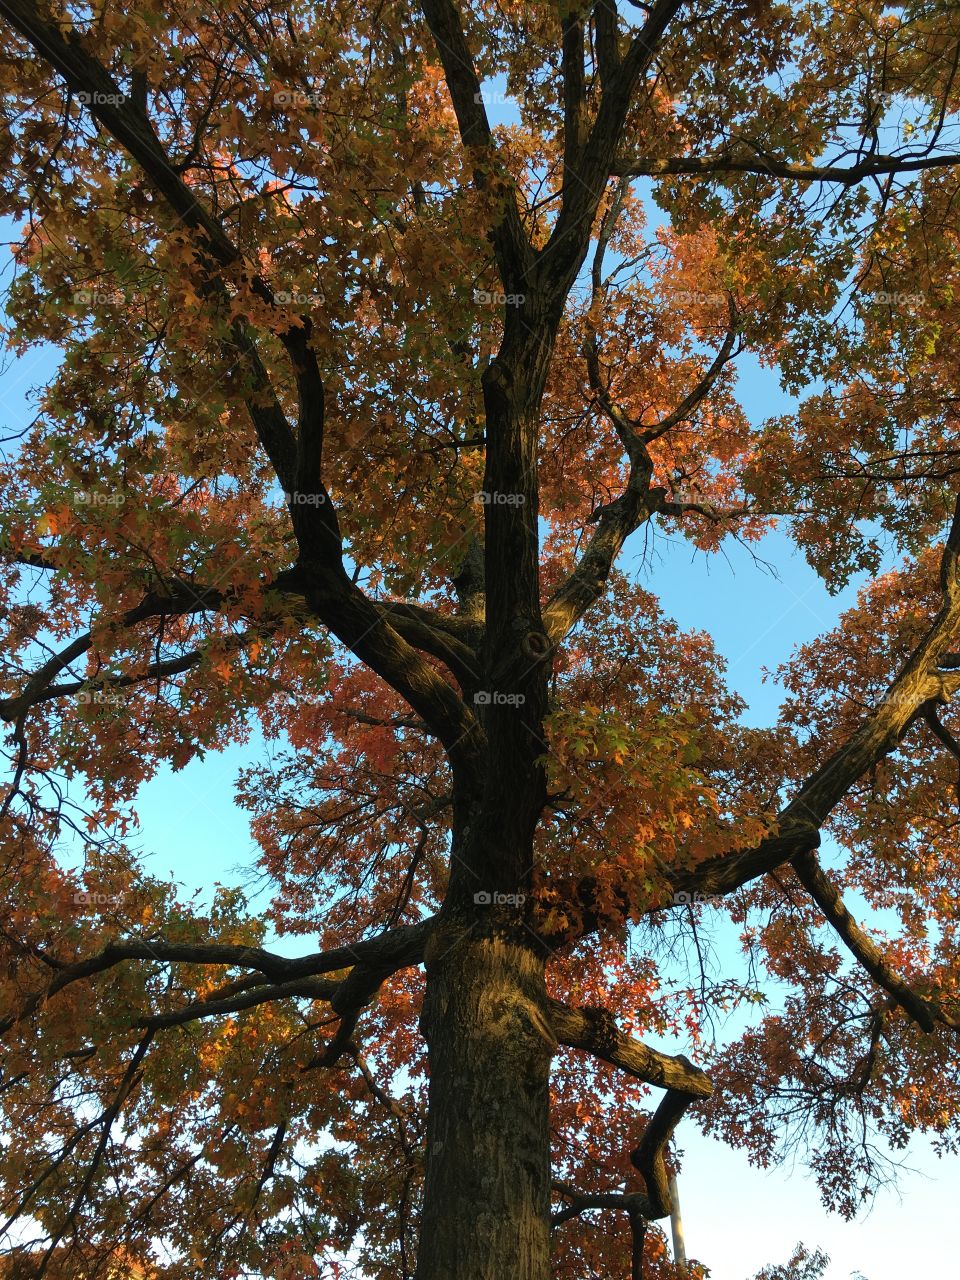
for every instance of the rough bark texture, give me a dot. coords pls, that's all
(487, 1194)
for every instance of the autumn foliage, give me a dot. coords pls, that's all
(363, 408)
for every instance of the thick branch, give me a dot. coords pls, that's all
(606, 38)
(770, 166)
(648, 1159)
(585, 179)
(363, 627)
(384, 953)
(595, 1030)
(925, 1012)
(510, 242)
(920, 681)
(303, 988)
(587, 582)
(574, 86)
(632, 1202)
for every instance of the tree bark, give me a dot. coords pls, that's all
(486, 1212)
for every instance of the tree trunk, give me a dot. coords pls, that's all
(487, 1194)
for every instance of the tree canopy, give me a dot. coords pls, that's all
(363, 409)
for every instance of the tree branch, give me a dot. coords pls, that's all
(584, 181)
(647, 1157)
(180, 598)
(632, 1202)
(921, 680)
(925, 1011)
(770, 166)
(510, 241)
(594, 1029)
(384, 954)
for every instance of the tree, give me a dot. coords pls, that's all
(802, 1265)
(359, 399)
(24, 1265)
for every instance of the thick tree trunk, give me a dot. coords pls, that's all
(486, 1212)
(487, 1193)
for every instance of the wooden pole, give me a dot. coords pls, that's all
(676, 1227)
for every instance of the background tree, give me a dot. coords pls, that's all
(359, 399)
